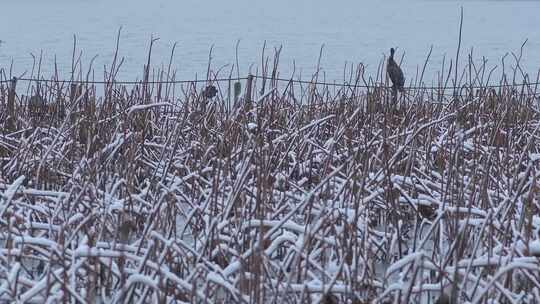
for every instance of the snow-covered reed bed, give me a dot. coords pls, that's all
(156, 193)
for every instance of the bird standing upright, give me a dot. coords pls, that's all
(395, 73)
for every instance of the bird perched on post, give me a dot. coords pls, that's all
(395, 73)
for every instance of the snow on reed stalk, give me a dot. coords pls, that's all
(155, 192)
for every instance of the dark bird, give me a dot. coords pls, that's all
(210, 92)
(395, 73)
(443, 299)
(125, 230)
(329, 299)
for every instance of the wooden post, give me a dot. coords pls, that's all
(248, 88)
(73, 92)
(11, 104)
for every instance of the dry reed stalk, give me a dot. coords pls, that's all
(315, 192)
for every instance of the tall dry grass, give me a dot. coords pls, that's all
(153, 192)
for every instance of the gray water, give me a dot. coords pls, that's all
(352, 31)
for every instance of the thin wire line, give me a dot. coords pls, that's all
(387, 87)
(125, 82)
(415, 88)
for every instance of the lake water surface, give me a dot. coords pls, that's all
(352, 31)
